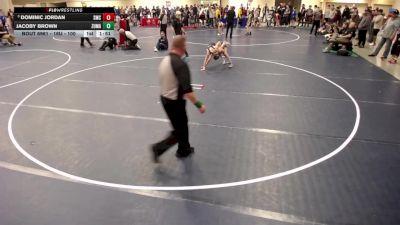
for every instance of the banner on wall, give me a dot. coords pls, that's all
(149, 22)
(168, 4)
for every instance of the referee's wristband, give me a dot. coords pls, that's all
(198, 104)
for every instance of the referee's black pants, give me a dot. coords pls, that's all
(176, 112)
(229, 25)
(316, 24)
(87, 39)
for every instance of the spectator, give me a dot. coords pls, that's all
(293, 17)
(378, 24)
(363, 28)
(370, 31)
(302, 15)
(332, 13)
(240, 15)
(286, 16)
(277, 17)
(337, 18)
(388, 33)
(202, 16)
(163, 22)
(309, 15)
(281, 11)
(354, 15)
(265, 12)
(250, 22)
(195, 13)
(395, 48)
(256, 14)
(217, 15)
(211, 15)
(327, 13)
(346, 15)
(4, 34)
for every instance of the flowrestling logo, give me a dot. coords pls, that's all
(64, 10)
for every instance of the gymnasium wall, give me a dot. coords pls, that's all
(361, 4)
(6, 5)
(397, 4)
(311, 2)
(254, 3)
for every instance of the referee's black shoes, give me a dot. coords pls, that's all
(185, 154)
(156, 153)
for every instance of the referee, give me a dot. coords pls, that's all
(230, 18)
(175, 88)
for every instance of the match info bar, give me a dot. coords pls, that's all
(56, 21)
(60, 33)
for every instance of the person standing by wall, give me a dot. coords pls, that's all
(388, 33)
(286, 16)
(378, 24)
(265, 12)
(309, 15)
(395, 48)
(195, 14)
(163, 22)
(250, 22)
(332, 12)
(327, 13)
(346, 15)
(302, 15)
(293, 17)
(175, 84)
(217, 15)
(370, 32)
(239, 16)
(363, 29)
(256, 14)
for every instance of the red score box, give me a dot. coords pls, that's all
(108, 17)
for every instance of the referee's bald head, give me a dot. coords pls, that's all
(179, 42)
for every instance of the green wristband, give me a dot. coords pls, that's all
(198, 104)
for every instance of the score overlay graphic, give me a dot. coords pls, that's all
(71, 21)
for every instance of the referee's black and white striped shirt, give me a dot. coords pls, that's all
(174, 77)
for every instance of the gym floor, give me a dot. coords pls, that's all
(290, 136)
